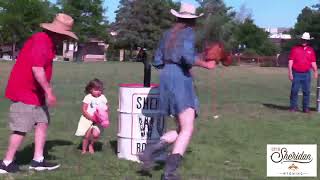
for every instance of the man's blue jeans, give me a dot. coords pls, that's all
(300, 80)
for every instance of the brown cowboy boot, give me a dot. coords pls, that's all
(148, 155)
(172, 164)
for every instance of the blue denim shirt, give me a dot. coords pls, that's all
(183, 52)
(177, 91)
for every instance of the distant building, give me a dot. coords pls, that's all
(94, 50)
(113, 33)
(69, 51)
(280, 30)
(278, 35)
(9, 51)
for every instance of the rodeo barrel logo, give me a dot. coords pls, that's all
(151, 126)
(140, 121)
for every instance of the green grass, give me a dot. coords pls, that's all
(248, 100)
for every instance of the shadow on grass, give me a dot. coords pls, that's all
(97, 146)
(159, 165)
(144, 173)
(114, 146)
(277, 107)
(26, 154)
(282, 108)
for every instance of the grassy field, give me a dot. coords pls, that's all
(251, 103)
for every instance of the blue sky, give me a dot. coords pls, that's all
(266, 13)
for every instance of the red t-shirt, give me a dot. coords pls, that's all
(302, 57)
(38, 51)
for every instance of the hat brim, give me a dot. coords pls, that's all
(308, 39)
(186, 16)
(51, 27)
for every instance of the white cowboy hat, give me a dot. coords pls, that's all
(61, 24)
(306, 36)
(186, 11)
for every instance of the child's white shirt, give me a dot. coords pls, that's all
(94, 102)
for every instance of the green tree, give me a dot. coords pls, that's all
(243, 14)
(21, 18)
(140, 23)
(217, 24)
(307, 21)
(255, 38)
(89, 18)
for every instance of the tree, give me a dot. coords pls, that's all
(89, 19)
(216, 25)
(21, 18)
(307, 21)
(255, 38)
(140, 23)
(243, 14)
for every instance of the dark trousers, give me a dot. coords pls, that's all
(302, 80)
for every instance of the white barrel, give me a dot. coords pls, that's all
(134, 98)
(139, 126)
(139, 120)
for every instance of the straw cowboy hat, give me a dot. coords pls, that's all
(61, 24)
(187, 11)
(306, 36)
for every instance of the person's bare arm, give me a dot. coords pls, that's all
(204, 64)
(86, 114)
(290, 63)
(40, 76)
(315, 70)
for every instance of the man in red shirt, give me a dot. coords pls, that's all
(30, 91)
(301, 59)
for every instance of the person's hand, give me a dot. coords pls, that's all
(290, 76)
(50, 98)
(210, 64)
(94, 117)
(315, 75)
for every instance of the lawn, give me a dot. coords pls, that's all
(250, 103)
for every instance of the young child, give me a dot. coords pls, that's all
(94, 115)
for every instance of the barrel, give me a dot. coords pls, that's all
(139, 120)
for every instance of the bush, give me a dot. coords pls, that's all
(112, 54)
(269, 63)
(249, 52)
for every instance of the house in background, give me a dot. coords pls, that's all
(94, 50)
(9, 51)
(69, 50)
(278, 36)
